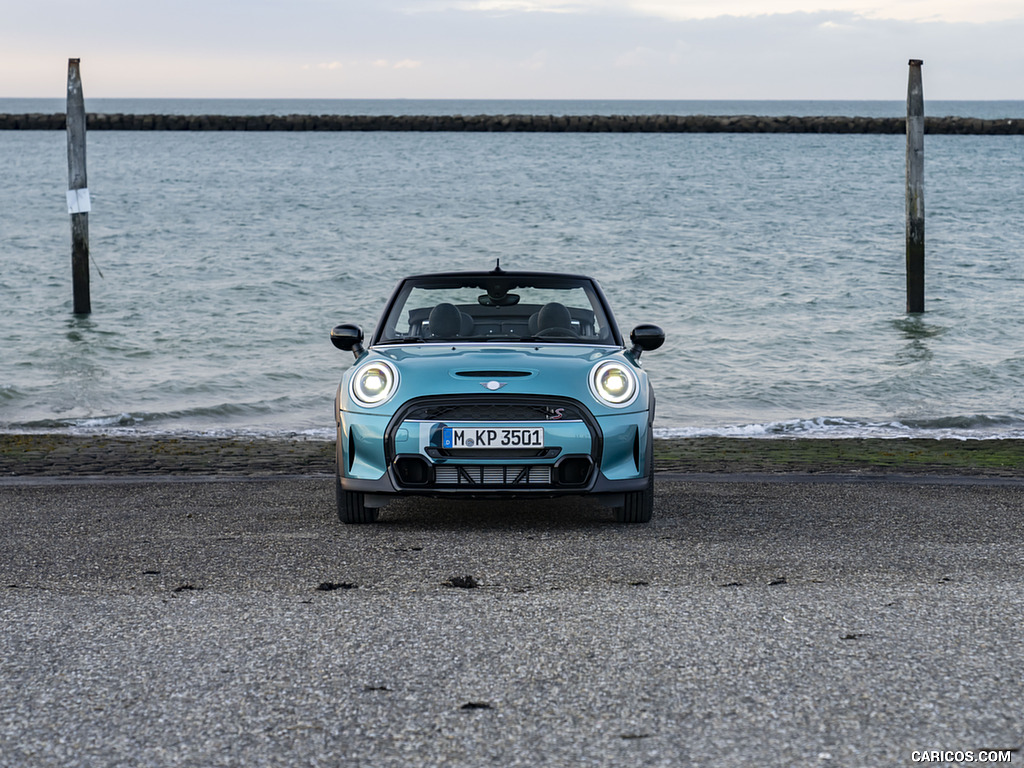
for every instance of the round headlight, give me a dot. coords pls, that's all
(374, 383)
(613, 383)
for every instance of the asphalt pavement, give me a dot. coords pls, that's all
(757, 621)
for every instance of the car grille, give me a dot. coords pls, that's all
(490, 474)
(506, 470)
(494, 412)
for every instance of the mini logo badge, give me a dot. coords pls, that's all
(493, 385)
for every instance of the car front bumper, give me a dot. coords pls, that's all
(402, 453)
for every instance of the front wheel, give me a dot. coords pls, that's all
(351, 507)
(639, 506)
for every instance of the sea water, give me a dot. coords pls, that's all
(774, 263)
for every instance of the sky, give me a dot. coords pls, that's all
(514, 49)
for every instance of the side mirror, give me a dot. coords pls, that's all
(646, 337)
(348, 338)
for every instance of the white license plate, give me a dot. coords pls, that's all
(492, 437)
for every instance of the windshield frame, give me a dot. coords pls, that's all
(509, 281)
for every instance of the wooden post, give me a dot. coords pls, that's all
(915, 189)
(78, 191)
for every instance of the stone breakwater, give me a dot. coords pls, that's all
(516, 123)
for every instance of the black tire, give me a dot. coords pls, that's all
(351, 509)
(639, 506)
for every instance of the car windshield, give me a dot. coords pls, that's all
(498, 307)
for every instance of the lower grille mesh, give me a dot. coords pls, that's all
(489, 474)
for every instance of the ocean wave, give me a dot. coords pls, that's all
(9, 393)
(976, 427)
(117, 430)
(263, 419)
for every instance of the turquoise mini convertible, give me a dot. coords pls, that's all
(495, 384)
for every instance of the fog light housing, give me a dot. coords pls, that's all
(573, 471)
(412, 470)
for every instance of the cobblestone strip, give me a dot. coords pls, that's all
(54, 455)
(26, 455)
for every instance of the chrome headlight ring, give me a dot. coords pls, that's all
(613, 383)
(373, 383)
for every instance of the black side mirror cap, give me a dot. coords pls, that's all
(348, 338)
(646, 337)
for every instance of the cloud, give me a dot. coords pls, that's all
(646, 57)
(402, 64)
(970, 11)
(515, 6)
(536, 62)
(547, 49)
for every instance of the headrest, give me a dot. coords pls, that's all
(554, 315)
(445, 321)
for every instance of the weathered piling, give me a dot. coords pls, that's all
(915, 189)
(78, 191)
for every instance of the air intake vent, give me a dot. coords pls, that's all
(493, 374)
(491, 475)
